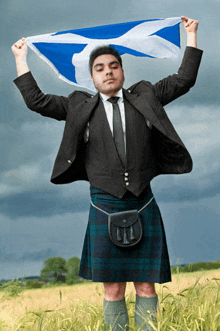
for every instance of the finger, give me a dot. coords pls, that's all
(20, 43)
(17, 44)
(192, 22)
(189, 24)
(184, 19)
(193, 26)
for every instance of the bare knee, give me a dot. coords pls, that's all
(145, 289)
(114, 291)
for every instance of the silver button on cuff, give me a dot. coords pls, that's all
(69, 161)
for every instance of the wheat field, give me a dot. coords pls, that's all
(190, 302)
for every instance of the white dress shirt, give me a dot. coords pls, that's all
(109, 114)
(109, 111)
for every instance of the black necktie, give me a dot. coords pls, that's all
(118, 130)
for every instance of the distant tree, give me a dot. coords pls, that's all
(55, 267)
(33, 284)
(12, 288)
(72, 265)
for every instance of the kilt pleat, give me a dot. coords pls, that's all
(102, 261)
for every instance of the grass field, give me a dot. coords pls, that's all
(190, 302)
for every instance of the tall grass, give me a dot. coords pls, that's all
(190, 303)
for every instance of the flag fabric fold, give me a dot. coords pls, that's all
(67, 52)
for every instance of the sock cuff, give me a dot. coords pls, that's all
(114, 307)
(147, 303)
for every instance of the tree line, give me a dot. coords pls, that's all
(62, 271)
(58, 270)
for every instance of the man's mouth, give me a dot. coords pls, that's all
(109, 80)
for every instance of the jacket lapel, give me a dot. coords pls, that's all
(87, 107)
(79, 117)
(96, 102)
(145, 108)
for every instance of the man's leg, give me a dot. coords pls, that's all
(114, 306)
(146, 304)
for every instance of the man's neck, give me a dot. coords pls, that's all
(118, 94)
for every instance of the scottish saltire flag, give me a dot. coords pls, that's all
(67, 52)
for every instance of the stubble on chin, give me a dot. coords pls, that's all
(108, 89)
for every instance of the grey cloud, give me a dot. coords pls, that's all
(43, 203)
(33, 238)
(189, 237)
(199, 129)
(40, 255)
(34, 140)
(186, 188)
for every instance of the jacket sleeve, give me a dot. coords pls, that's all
(45, 104)
(174, 86)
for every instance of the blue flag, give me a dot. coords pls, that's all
(67, 52)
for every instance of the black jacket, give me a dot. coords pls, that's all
(76, 109)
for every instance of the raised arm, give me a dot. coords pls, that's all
(172, 87)
(19, 50)
(48, 105)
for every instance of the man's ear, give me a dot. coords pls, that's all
(123, 74)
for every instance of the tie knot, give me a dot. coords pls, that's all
(113, 99)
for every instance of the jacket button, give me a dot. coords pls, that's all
(126, 179)
(69, 161)
(127, 184)
(126, 174)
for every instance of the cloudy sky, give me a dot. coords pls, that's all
(40, 220)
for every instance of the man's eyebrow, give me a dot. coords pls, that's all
(98, 64)
(114, 62)
(101, 64)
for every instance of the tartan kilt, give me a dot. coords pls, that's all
(147, 261)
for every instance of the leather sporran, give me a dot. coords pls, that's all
(125, 228)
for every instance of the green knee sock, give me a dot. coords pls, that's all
(116, 315)
(145, 309)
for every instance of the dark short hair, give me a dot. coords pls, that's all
(101, 50)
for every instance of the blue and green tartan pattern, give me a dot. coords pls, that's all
(102, 261)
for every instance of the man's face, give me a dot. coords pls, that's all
(107, 74)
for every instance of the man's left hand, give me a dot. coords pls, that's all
(189, 24)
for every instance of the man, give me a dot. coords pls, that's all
(119, 140)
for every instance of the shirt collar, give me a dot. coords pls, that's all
(106, 97)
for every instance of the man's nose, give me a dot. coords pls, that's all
(108, 71)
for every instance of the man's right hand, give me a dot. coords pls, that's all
(19, 50)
